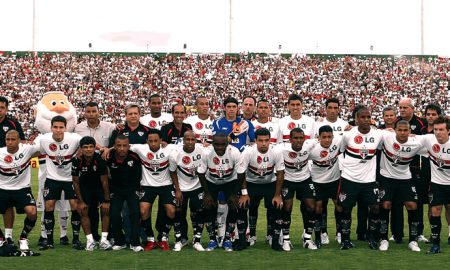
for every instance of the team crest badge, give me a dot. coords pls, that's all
(440, 162)
(413, 127)
(363, 152)
(94, 168)
(53, 147)
(200, 196)
(60, 160)
(186, 160)
(216, 160)
(396, 146)
(342, 196)
(8, 159)
(358, 139)
(130, 163)
(199, 125)
(140, 194)
(5, 129)
(291, 125)
(436, 148)
(395, 159)
(45, 192)
(284, 191)
(381, 193)
(140, 133)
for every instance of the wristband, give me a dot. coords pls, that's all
(244, 191)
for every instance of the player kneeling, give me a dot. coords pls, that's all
(90, 181)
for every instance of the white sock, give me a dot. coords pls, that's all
(104, 236)
(43, 232)
(90, 238)
(8, 232)
(63, 222)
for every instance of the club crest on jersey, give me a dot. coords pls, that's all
(363, 153)
(436, 148)
(140, 133)
(60, 159)
(292, 155)
(413, 127)
(291, 125)
(8, 159)
(216, 160)
(323, 154)
(152, 124)
(150, 156)
(358, 139)
(396, 146)
(5, 129)
(53, 147)
(342, 196)
(130, 163)
(199, 125)
(186, 160)
(440, 163)
(395, 159)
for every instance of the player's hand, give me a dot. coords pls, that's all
(208, 201)
(104, 206)
(105, 154)
(244, 201)
(178, 196)
(82, 206)
(277, 201)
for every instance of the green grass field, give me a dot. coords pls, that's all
(257, 257)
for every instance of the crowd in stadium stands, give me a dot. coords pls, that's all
(114, 81)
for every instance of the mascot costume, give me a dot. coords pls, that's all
(53, 104)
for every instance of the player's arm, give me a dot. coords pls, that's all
(105, 187)
(76, 186)
(277, 200)
(244, 199)
(178, 194)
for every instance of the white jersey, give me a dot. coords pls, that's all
(59, 155)
(186, 166)
(296, 163)
(15, 172)
(325, 165)
(261, 168)
(156, 122)
(396, 156)
(155, 165)
(201, 128)
(439, 158)
(359, 164)
(220, 169)
(338, 126)
(287, 124)
(274, 128)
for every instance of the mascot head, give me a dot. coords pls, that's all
(53, 104)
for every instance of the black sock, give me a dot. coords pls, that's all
(177, 226)
(346, 225)
(421, 226)
(210, 217)
(286, 224)
(270, 221)
(323, 219)
(199, 223)
(230, 222)
(277, 224)
(252, 219)
(168, 223)
(28, 225)
(337, 216)
(384, 223)
(374, 222)
(311, 223)
(76, 225)
(413, 225)
(318, 227)
(149, 229)
(49, 224)
(435, 226)
(146, 225)
(304, 213)
(241, 221)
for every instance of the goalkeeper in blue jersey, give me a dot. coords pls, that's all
(238, 129)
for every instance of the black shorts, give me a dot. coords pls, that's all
(396, 189)
(350, 192)
(52, 190)
(92, 196)
(439, 194)
(326, 191)
(16, 198)
(258, 191)
(166, 194)
(303, 190)
(228, 189)
(195, 198)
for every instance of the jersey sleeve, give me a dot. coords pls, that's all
(173, 161)
(251, 131)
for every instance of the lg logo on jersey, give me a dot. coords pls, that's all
(53, 147)
(437, 149)
(359, 139)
